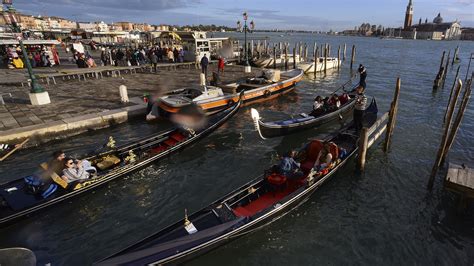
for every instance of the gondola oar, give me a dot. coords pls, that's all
(14, 149)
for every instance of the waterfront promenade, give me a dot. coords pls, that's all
(78, 106)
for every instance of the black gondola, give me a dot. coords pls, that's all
(289, 126)
(248, 208)
(279, 128)
(17, 198)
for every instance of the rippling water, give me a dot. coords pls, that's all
(384, 215)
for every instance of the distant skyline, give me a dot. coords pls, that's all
(267, 14)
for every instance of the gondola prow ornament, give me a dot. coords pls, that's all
(256, 117)
(190, 228)
(111, 143)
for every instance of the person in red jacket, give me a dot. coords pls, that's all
(220, 65)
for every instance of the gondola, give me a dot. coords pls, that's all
(18, 200)
(244, 210)
(288, 126)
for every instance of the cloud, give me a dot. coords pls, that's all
(130, 5)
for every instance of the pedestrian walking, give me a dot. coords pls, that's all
(204, 64)
(220, 65)
(154, 61)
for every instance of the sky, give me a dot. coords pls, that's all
(267, 14)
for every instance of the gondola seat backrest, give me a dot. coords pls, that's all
(108, 161)
(57, 179)
(313, 150)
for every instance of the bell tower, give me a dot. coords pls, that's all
(408, 16)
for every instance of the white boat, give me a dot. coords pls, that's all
(311, 67)
(267, 61)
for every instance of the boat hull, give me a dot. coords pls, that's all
(264, 93)
(311, 67)
(286, 127)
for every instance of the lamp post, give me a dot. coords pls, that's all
(246, 29)
(38, 95)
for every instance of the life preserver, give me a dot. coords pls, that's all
(267, 94)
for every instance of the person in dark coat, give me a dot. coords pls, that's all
(363, 76)
(359, 108)
(154, 61)
(204, 64)
(176, 55)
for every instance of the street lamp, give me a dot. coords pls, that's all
(38, 95)
(246, 29)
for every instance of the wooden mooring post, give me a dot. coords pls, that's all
(444, 138)
(440, 75)
(363, 141)
(294, 58)
(305, 52)
(316, 59)
(325, 59)
(446, 66)
(392, 116)
(353, 55)
(286, 56)
(451, 93)
(274, 57)
(458, 119)
(338, 57)
(344, 53)
(385, 123)
(455, 56)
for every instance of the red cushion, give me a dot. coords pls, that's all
(276, 179)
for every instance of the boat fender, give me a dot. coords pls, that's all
(267, 94)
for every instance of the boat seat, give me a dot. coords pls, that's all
(147, 145)
(170, 142)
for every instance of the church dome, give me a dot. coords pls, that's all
(438, 19)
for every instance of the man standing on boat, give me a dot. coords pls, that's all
(363, 76)
(204, 64)
(359, 108)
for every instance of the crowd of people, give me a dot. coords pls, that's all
(322, 155)
(140, 56)
(38, 55)
(330, 104)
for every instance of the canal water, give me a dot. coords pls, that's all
(383, 216)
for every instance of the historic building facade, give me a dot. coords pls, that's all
(436, 30)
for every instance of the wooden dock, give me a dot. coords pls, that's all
(460, 179)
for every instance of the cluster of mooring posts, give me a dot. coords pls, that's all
(444, 66)
(368, 136)
(261, 48)
(451, 127)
